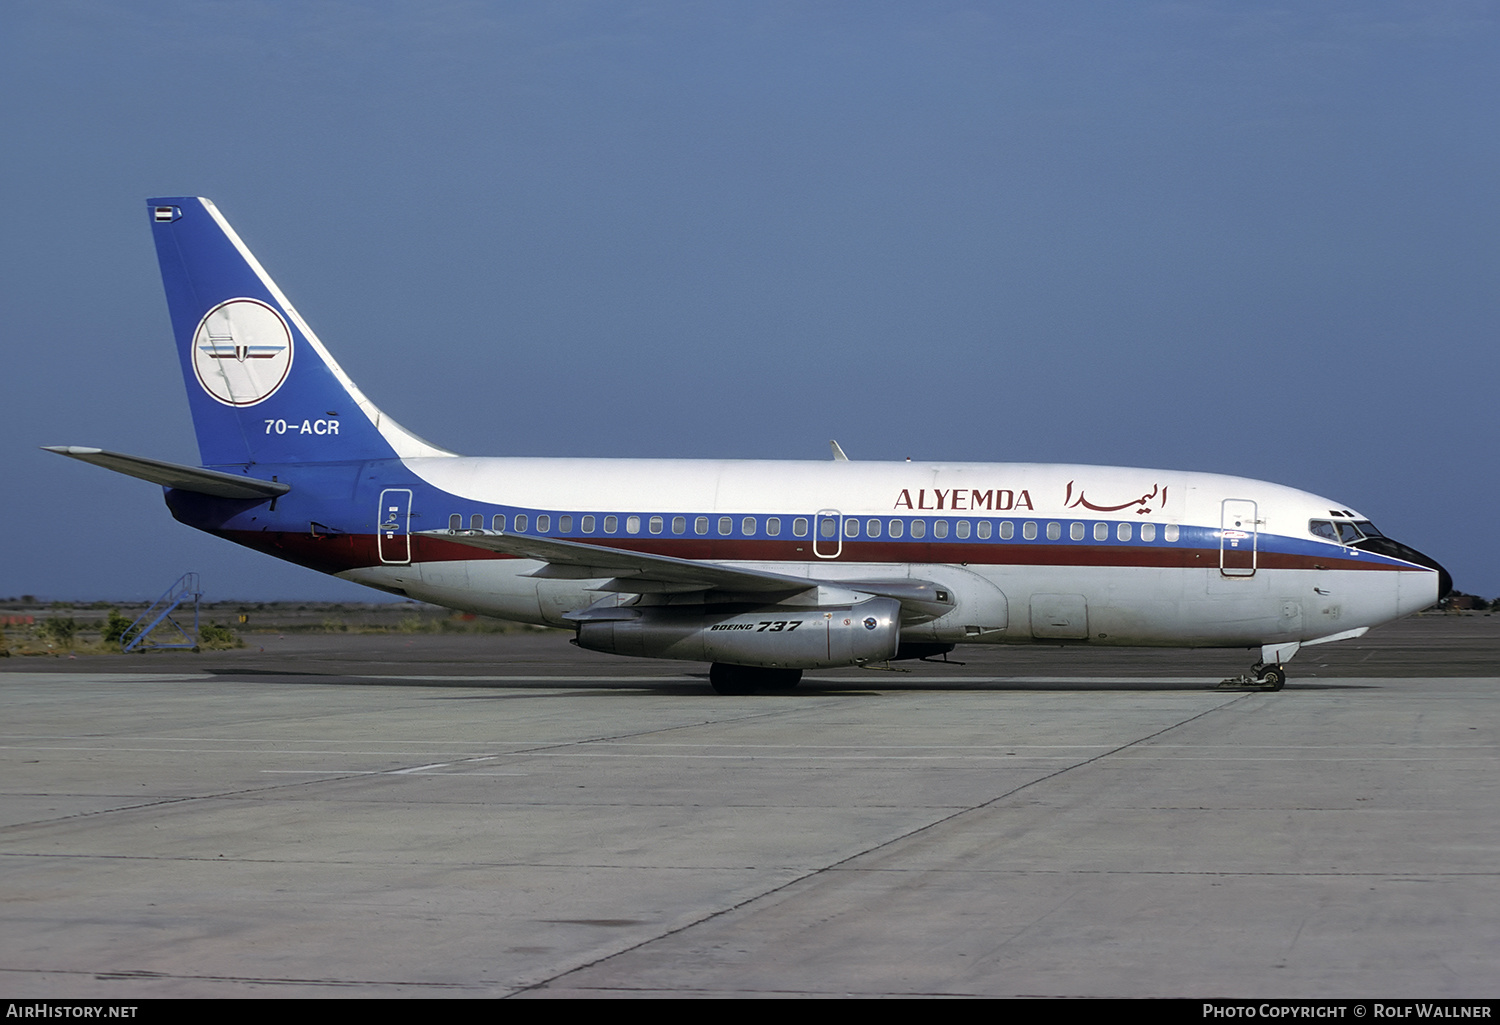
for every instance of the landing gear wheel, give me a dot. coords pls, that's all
(728, 679)
(1260, 677)
(781, 679)
(1272, 677)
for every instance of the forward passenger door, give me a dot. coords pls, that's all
(1239, 538)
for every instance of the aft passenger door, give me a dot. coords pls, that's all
(393, 526)
(1239, 538)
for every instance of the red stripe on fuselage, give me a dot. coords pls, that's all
(337, 552)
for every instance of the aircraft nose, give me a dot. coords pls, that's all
(1444, 580)
(1406, 553)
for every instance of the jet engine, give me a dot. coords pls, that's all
(769, 636)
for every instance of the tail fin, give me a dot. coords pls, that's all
(262, 387)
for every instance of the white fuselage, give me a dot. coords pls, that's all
(1030, 552)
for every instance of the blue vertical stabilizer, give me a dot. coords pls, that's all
(262, 387)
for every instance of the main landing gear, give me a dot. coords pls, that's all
(728, 679)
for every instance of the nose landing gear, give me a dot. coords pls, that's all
(1274, 677)
(1261, 677)
(1269, 673)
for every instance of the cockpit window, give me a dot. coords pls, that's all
(1343, 531)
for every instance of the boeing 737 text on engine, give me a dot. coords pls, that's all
(761, 568)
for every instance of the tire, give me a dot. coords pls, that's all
(727, 679)
(781, 679)
(1274, 677)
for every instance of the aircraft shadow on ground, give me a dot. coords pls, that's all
(697, 683)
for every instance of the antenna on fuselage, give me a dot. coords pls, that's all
(838, 453)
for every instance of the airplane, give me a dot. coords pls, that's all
(763, 569)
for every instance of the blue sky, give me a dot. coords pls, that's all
(1254, 238)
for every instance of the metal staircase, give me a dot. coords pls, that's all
(183, 591)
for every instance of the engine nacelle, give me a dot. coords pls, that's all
(771, 636)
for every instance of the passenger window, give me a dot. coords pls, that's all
(773, 526)
(611, 524)
(747, 526)
(632, 524)
(962, 529)
(521, 520)
(1075, 531)
(1169, 532)
(1101, 532)
(726, 526)
(1028, 530)
(1007, 530)
(984, 530)
(456, 521)
(655, 524)
(1122, 532)
(939, 528)
(476, 521)
(497, 521)
(872, 528)
(565, 524)
(679, 524)
(1148, 532)
(918, 528)
(799, 526)
(898, 527)
(851, 527)
(543, 524)
(828, 526)
(700, 525)
(1054, 531)
(588, 524)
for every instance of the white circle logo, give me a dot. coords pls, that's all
(242, 352)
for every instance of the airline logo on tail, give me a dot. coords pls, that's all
(242, 352)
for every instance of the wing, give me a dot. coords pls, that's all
(631, 572)
(643, 573)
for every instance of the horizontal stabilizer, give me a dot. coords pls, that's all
(175, 475)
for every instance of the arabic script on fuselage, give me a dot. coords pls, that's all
(1152, 501)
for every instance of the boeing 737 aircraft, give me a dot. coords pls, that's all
(761, 568)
